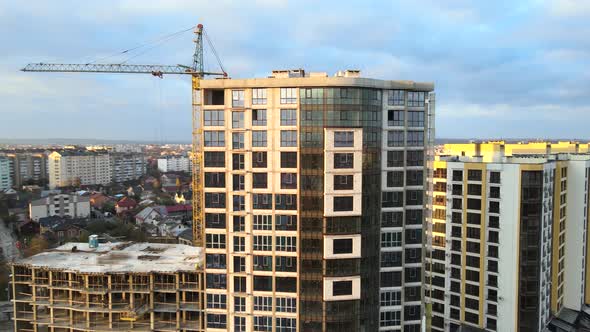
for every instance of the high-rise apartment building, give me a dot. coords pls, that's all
(5, 178)
(507, 235)
(127, 166)
(174, 164)
(82, 167)
(27, 166)
(313, 199)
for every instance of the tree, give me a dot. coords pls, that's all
(36, 245)
(109, 207)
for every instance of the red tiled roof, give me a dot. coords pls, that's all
(178, 208)
(126, 202)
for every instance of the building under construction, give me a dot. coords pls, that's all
(109, 287)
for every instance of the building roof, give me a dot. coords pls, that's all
(126, 202)
(143, 214)
(118, 258)
(179, 208)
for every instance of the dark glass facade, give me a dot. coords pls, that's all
(338, 108)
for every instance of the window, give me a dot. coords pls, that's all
(288, 159)
(214, 159)
(457, 175)
(259, 138)
(240, 284)
(262, 323)
(494, 192)
(262, 201)
(285, 202)
(474, 175)
(415, 158)
(237, 119)
(494, 177)
(390, 298)
(288, 95)
(258, 117)
(343, 160)
(286, 243)
(263, 242)
(216, 301)
(342, 246)
(391, 239)
(238, 182)
(239, 203)
(285, 264)
(239, 243)
(215, 200)
(215, 241)
(216, 321)
(288, 180)
(415, 138)
(239, 264)
(262, 263)
(474, 189)
(390, 318)
(341, 288)
(263, 283)
(259, 159)
(237, 98)
(395, 118)
(343, 203)
(214, 179)
(239, 304)
(343, 182)
(288, 117)
(239, 324)
(414, 178)
(262, 222)
(395, 98)
(263, 303)
(392, 199)
(286, 324)
(259, 180)
(213, 118)
(343, 139)
(286, 223)
(416, 119)
(239, 224)
(288, 138)
(416, 98)
(259, 96)
(237, 140)
(237, 161)
(215, 220)
(286, 304)
(395, 138)
(214, 138)
(396, 158)
(216, 281)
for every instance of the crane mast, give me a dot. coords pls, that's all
(196, 70)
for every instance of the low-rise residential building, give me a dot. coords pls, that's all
(110, 287)
(98, 200)
(151, 215)
(61, 205)
(125, 204)
(174, 164)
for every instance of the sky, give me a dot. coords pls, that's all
(501, 69)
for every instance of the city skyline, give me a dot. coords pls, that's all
(518, 68)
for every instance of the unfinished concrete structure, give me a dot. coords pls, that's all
(112, 287)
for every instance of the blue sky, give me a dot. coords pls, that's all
(501, 68)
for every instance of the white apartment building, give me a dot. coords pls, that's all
(174, 164)
(71, 168)
(62, 205)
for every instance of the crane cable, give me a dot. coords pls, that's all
(152, 42)
(214, 50)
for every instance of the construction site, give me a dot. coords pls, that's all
(109, 287)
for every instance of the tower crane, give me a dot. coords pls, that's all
(196, 70)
